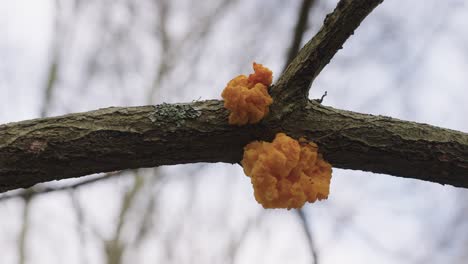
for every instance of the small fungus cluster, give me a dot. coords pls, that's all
(247, 97)
(286, 173)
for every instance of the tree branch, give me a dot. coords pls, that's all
(293, 86)
(120, 138)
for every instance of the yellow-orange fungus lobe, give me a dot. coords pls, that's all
(286, 173)
(247, 97)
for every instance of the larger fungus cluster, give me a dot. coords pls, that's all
(247, 97)
(286, 173)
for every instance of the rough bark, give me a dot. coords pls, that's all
(386, 145)
(121, 138)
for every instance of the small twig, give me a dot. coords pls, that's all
(321, 98)
(197, 100)
(308, 234)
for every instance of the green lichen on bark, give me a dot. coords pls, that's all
(173, 113)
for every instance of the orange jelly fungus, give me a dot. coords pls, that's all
(286, 173)
(247, 97)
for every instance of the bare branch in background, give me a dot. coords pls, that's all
(165, 63)
(61, 29)
(308, 234)
(54, 64)
(46, 188)
(299, 30)
(115, 247)
(77, 208)
(52, 77)
(146, 225)
(23, 236)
